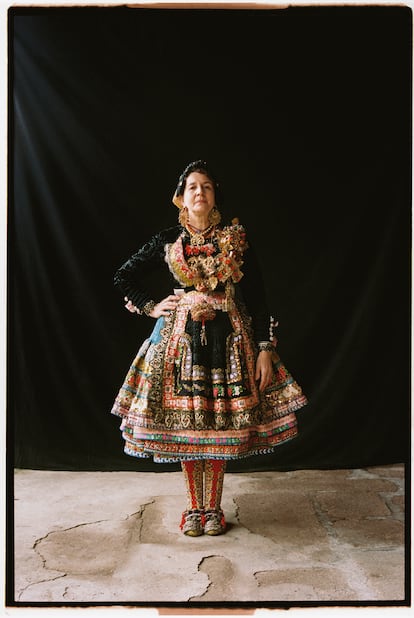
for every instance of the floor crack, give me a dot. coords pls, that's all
(237, 511)
(210, 581)
(323, 518)
(88, 523)
(42, 581)
(142, 510)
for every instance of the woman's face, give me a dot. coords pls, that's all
(198, 195)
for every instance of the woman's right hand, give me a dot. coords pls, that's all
(165, 306)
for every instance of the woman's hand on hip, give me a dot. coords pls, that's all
(165, 306)
(264, 369)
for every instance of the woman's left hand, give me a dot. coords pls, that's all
(264, 369)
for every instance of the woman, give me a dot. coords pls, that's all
(207, 386)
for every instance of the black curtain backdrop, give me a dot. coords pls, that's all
(305, 114)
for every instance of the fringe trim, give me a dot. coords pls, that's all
(158, 458)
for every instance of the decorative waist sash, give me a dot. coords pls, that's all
(219, 301)
(203, 306)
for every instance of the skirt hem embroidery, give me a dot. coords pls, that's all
(183, 401)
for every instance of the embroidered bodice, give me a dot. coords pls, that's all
(224, 259)
(206, 265)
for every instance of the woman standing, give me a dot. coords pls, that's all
(207, 386)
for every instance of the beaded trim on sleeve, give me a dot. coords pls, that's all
(269, 346)
(148, 307)
(266, 346)
(272, 327)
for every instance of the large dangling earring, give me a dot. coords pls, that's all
(183, 216)
(214, 216)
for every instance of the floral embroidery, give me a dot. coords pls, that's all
(208, 249)
(185, 398)
(203, 269)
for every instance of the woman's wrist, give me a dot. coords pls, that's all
(148, 307)
(265, 346)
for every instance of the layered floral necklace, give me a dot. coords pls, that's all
(198, 237)
(209, 263)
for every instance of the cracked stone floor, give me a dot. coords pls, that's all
(304, 535)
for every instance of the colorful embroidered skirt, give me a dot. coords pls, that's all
(191, 391)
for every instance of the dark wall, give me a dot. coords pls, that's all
(305, 115)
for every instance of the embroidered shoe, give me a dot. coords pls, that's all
(192, 522)
(214, 522)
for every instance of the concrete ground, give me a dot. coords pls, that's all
(306, 535)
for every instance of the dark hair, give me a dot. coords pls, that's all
(201, 167)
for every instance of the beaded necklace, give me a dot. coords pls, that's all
(198, 237)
